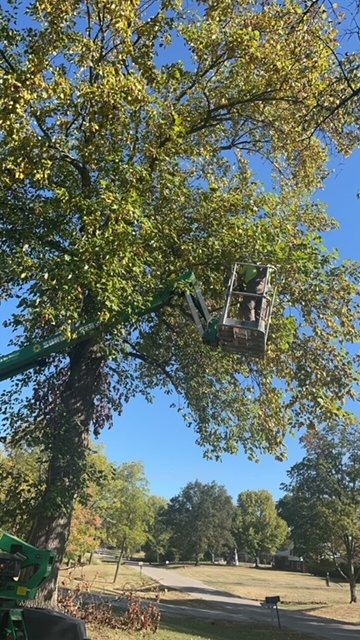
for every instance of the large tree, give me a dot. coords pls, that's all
(123, 166)
(259, 528)
(86, 533)
(322, 504)
(87, 528)
(125, 510)
(22, 480)
(200, 518)
(158, 533)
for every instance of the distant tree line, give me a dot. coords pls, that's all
(202, 522)
(319, 512)
(117, 509)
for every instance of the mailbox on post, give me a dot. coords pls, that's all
(271, 602)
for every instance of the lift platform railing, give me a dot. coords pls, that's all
(236, 334)
(266, 303)
(231, 291)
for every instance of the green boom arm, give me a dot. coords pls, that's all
(37, 562)
(22, 359)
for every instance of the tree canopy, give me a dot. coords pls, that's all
(158, 534)
(22, 481)
(259, 528)
(200, 518)
(124, 166)
(322, 503)
(125, 509)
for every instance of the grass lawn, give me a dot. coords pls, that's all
(297, 590)
(99, 577)
(199, 629)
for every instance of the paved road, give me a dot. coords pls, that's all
(243, 609)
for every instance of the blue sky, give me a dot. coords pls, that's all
(157, 436)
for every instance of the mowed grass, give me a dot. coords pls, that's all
(296, 590)
(100, 577)
(183, 629)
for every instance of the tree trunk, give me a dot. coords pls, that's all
(350, 553)
(68, 442)
(118, 564)
(352, 578)
(353, 591)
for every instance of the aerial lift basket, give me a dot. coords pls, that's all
(235, 334)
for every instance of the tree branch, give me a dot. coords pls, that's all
(80, 167)
(151, 361)
(8, 62)
(339, 106)
(305, 13)
(341, 66)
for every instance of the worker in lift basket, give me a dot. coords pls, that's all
(251, 279)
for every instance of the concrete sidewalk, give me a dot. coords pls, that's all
(241, 609)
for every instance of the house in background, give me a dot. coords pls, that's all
(287, 560)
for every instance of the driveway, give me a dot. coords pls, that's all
(244, 609)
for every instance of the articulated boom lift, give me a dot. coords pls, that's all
(229, 331)
(242, 328)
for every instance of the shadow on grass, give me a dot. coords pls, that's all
(210, 591)
(308, 624)
(193, 603)
(224, 630)
(307, 609)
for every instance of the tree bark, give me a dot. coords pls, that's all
(353, 591)
(352, 575)
(350, 552)
(69, 437)
(119, 560)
